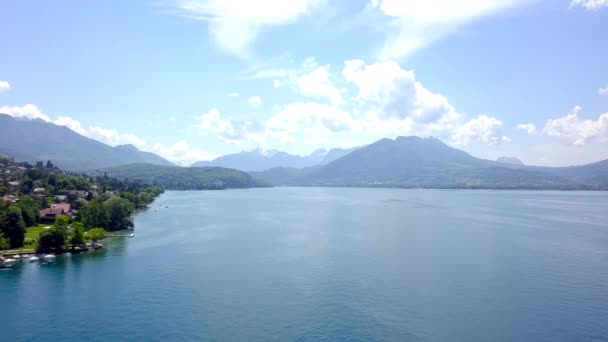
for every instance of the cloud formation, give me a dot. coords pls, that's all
(589, 5)
(182, 153)
(230, 131)
(412, 24)
(530, 128)
(603, 91)
(255, 101)
(318, 84)
(482, 129)
(236, 24)
(4, 86)
(572, 129)
(70, 123)
(28, 111)
(113, 137)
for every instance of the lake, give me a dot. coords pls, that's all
(330, 264)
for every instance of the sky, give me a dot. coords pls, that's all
(195, 79)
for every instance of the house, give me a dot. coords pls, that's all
(39, 190)
(61, 198)
(13, 186)
(54, 210)
(10, 199)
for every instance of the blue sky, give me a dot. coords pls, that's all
(194, 79)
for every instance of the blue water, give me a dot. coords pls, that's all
(314, 264)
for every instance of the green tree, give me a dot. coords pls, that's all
(95, 214)
(119, 211)
(51, 239)
(14, 227)
(29, 209)
(61, 225)
(77, 234)
(96, 234)
(3, 242)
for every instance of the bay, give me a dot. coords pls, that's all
(330, 264)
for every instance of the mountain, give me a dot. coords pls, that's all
(260, 160)
(429, 163)
(37, 140)
(183, 178)
(509, 160)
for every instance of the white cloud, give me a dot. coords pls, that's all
(181, 153)
(113, 137)
(603, 91)
(28, 111)
(528, 127)
(276, 83)
(575, 130)
(4, 86)
(308, 120)
(318, 84)
(589, 5)
(235, 24)
(255, 101)
(233, 94)
(70, 123)
(482, 129)
(396, 92)
(413, 24)
(231, 131)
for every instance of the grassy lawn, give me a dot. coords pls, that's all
(32, 234)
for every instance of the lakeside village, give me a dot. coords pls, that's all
(45, 211)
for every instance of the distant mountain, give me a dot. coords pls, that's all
(429, 163)
(509, 160)
(260, 160)
(183, 178)
(37, 140)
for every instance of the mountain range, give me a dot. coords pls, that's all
(429, 163)
(37, 140)
(261, 160)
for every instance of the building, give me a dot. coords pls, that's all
(78, 193)
(54, 210)
(39, 190)
(10, 198)
(13, 186)
(61, 198)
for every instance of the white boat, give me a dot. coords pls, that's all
(49, 258)
(132, 235)
(9, 263)
(33, 258)
(17, 257)
(155, 209)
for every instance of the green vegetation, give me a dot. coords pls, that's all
(184, 178)
(31, 195)
(96, 234)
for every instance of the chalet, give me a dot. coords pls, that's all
(54, 210)
(10, 199)
(13, 186)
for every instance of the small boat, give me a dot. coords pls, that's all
(155, 209)
(48, 259)
(9, 263)
(132, 235)
(33, 258)
(17, 257)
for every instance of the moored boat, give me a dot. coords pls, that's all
(33, 258)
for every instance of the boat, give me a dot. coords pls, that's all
(9, 263)
(155, 209)
(48, 259)
(17, 257)
(132, 235)
(33, 258)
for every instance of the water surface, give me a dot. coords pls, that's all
(303, 264)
